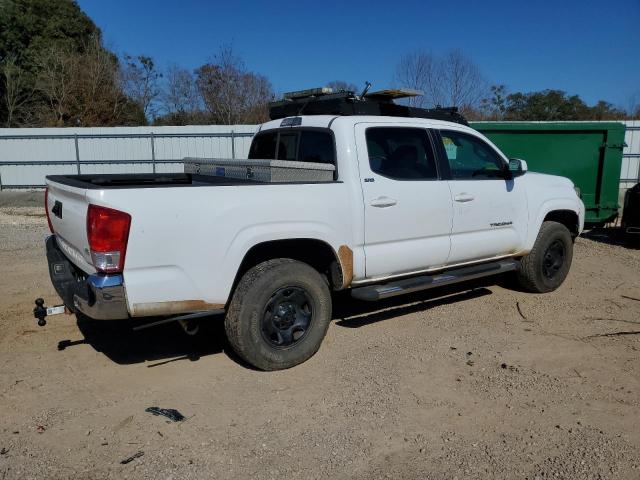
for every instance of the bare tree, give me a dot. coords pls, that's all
(421, 71)
(17, 92)
(181, 93)
(56, 68)
(141, 82)
(230, 92)
(82, 89)
(463, 84)
(99, 95)
(452, 80)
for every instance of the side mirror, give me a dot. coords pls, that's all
(517, 167)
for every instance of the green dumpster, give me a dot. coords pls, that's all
(589, 153)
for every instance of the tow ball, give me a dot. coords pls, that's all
(40, 311)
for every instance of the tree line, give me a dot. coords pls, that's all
(56, 71)
(455, 80)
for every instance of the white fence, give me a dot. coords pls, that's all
(630, 172)
(27, 155)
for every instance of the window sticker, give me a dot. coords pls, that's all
(450, 147)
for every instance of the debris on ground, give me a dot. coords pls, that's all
(132, 457)
(504, 366)
(171, 413)
(469, 361)
(520, 311)
(630, 298)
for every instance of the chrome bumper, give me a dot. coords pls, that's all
(106, 298)
(98, 296)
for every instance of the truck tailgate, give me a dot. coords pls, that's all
(67, 208)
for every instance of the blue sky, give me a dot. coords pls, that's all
(591, 48)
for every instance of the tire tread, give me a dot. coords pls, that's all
(527, 273)
(242, 300)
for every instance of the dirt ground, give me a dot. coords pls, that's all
(477, 382)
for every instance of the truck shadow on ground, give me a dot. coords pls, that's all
(161, 344)
(168, 343)
(351, 313)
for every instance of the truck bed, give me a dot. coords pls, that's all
(185, 244)
(146, 180)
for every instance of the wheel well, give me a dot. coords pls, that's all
(566, 217)
(316, 253)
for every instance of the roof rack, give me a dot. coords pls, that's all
(323, 101)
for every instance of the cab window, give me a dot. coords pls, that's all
(401, 153)
(470, 158)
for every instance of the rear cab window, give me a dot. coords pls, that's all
(263, 146)
(301, 145)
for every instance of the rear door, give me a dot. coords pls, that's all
(407, 206)
(489, 210)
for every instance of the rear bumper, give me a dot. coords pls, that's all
(98, 296)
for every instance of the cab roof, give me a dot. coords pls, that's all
(327, 121)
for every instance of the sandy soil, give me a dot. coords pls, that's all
(476, 382)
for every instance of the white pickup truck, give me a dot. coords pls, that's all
(413, 203)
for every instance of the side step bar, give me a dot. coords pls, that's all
(414, 284)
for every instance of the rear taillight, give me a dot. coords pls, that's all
(108, 233)
(46, 208)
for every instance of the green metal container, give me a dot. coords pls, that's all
(589, 153)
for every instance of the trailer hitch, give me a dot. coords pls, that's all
(40, 311)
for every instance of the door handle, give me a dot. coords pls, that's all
(463, 198)
(383, 202)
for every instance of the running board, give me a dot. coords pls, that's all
(414, 284)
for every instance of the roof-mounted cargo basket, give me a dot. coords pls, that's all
(323, 101)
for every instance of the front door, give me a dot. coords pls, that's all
(407, 206)
(489, 208)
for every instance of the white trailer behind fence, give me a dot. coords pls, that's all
(27, 155)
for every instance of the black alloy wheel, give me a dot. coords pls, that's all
(553, 259)
(548, 263)
(279, 314)
(287, 316)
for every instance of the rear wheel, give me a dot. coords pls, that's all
(279, 314)
(548, 263)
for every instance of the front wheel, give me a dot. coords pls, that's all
(548, 263)
(279, 314)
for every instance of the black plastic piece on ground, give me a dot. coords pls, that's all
(171, 413)
(132, 457)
